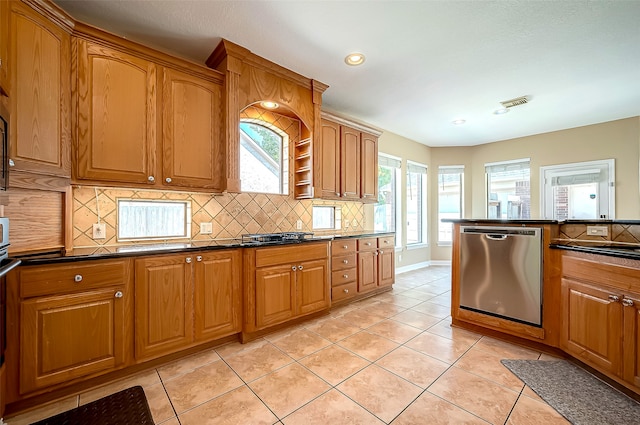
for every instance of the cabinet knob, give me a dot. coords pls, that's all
(188, 260)
(627, 302)
(337, 193)
(346, 291)
(614, 298)
(346, 276)
(368, 244)
(386, 241)
(377, 253)
(119, 294)
(381, 252)
(151, 179)
(294, 268)
(345, 246)
(199, 258)
(77, 278)
(299, 267)
(168, 179)
(344, 194)
(11, 163)
(345, 261)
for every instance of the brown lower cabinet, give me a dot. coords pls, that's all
(185, 299)
(601, 314)
(376, 263)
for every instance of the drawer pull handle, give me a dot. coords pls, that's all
(346, 276)
(345, 246)
(381, 252)
(386, 241)
(368, 244)
(168, 179)
(151, 179)
(188, 260)
(299, 267)
(294, 268)
(119, 294)
(345, 261)
(346, 291)
(77, 278)
(199, 258)
(627, 302)
(614, 298)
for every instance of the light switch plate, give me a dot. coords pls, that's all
(206, 228)
(597, 231)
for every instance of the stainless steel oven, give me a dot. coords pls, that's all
(4, 148)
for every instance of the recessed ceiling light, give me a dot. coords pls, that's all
(269, 105)
(459, 121)
(500, 111)
(354, 59)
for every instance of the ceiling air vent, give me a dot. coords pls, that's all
(515, 102)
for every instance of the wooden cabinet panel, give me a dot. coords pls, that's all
(340, 277)
(40, 61)
(343, 262)
(631, 338)
(217, 292)
(312, 290)
(592, 325)
(343, 246)
(350, 162)
(369, 166)
(116, 116)
(330, 160)
(367, 244)
(163, 305)
(367, 271)
(4, 51)
(343, 292)
(192, 140)
(275, 295)
(69, 336)
(386, 267)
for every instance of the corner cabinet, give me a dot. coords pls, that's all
(601, 313)
(39, 71)
(283, 283)
(74, 321)
(349, 160)
(183, 300)
(144, 119)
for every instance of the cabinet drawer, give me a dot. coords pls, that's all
(71, 277)
(342, 247)
(343, 262)
(271, 256)
(341, 277)
(386, 242)
(367, 244)
(343, 292)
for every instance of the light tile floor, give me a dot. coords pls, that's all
(393, 358)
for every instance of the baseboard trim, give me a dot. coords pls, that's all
(421, 265)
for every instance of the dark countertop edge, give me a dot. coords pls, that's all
(88, 254)
(609, 251)
(602, 221)
(496, 221)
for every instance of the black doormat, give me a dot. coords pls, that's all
(127, 407)
(576, 394)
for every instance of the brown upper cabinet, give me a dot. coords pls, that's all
(348, 161)
(144, 118)
(4, 47)
(39, 75)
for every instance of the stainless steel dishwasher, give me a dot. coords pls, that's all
(500, 272)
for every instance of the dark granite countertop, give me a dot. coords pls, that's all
(611, 249)
(497, 221)
(136, 250)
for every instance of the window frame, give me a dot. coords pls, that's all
(450, 170)
(515, 165)
(422, 170)
(186, 225)
(395, 164)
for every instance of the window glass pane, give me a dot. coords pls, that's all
(324, 217)
(449, 200)
(262, 151)
(509, 194)
(386, 209)
(416, 203)
(140, 219)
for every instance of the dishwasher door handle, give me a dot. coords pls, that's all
(496, 237)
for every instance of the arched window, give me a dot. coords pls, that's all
(263, 158)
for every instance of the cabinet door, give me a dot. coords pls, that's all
(369, 166)
(386, 267)
(592, 325)
(330, 160)
(312, 285)
(191, 136)
(69, 336)
(275, 294)
(350, 162)
(367, 271)
(40, 61)
(4, 47)
(116, 116)
(217, 299)
(631, 338)
(164, 305)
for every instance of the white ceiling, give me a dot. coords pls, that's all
(427, 62)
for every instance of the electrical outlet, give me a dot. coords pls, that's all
(206, 228)
(99, 231)
(299, 225)
(354, 223)
(597, 231)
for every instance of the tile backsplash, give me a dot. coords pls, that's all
(232, 214)
(616, 232)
